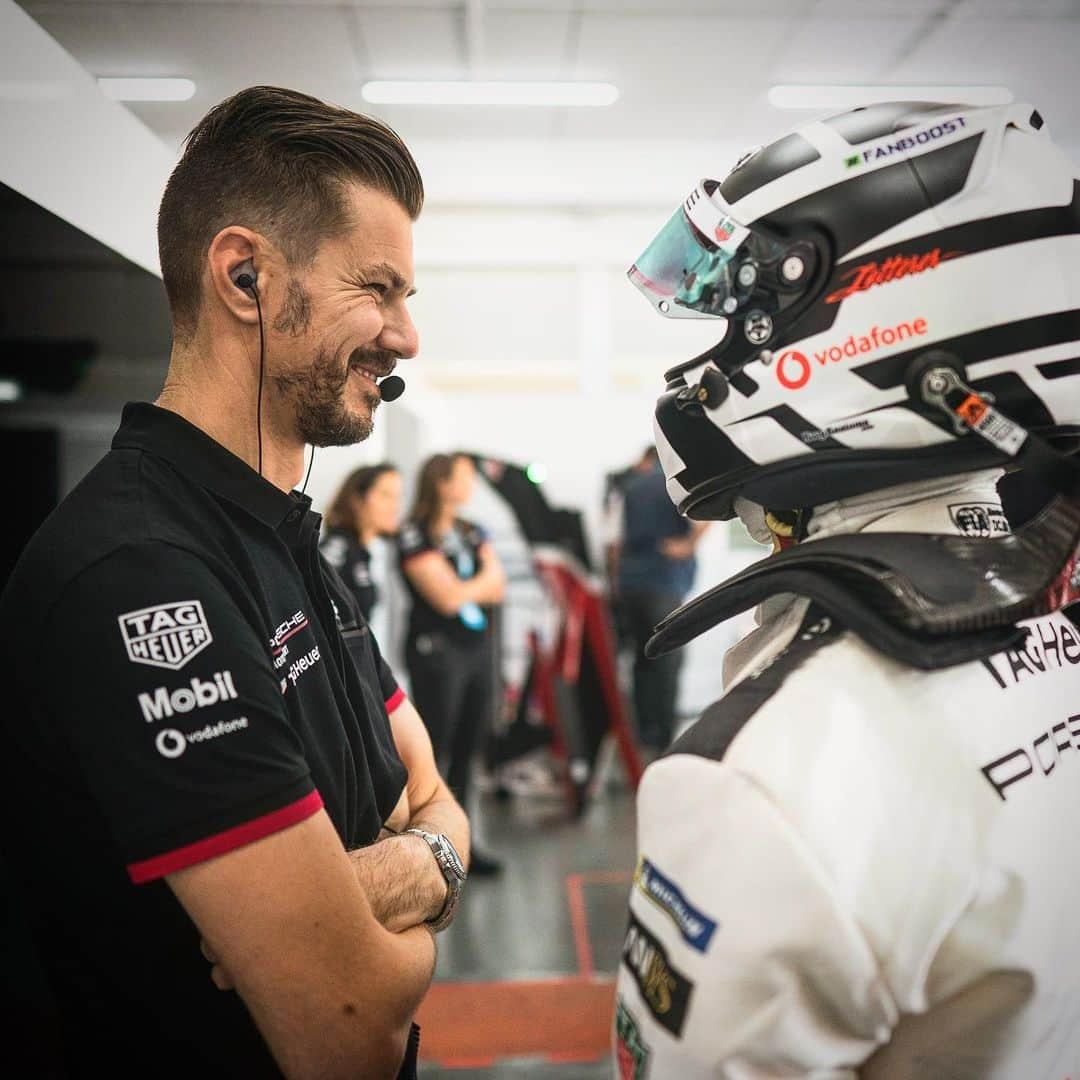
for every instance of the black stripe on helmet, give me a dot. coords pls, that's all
(859, 208)
(707, 451)
(1059, 369)
(768, 164)
(972, 348)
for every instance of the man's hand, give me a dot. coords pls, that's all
(684, 547)
(399, 874)
(287, 925)
(402, 879)
(677, 547)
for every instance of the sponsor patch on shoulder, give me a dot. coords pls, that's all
(695, 927)
(665, 989)
(979, 519)
(631, 1051)
(165, 635)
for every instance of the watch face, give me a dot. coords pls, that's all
(453, 859)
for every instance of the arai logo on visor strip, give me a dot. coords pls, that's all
(713, 221)
(685, 269)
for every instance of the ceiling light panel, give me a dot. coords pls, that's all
(536, 94)
(147, 89)
(809, 96)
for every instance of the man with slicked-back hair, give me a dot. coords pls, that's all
(233, 841)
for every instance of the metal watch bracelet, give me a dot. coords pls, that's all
(453, 872)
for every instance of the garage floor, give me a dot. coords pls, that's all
(524, 985)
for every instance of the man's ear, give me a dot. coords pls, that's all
(234, 252)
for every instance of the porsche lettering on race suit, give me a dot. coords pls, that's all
(869, 842)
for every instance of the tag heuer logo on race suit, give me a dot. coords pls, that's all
(631, 1051)
(166, 635)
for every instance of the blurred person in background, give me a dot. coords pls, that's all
(611, 531)
(651, 564)
(452, 573)
(367, 505)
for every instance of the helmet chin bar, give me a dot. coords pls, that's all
(929, 601)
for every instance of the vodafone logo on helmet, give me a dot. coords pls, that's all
(794, 368)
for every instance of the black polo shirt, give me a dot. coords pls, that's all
(352, 561)
(460, 547)
(185, 675)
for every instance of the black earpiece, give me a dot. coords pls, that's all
(244, 276)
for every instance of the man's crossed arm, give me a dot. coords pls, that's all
(299, 928)
(399, 874)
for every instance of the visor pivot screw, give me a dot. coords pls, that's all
(792, 268)
(663, 305)
(747, 275)
(937, 382)
(765, 356)
(730, 304)
(702, 395)
(758, 327)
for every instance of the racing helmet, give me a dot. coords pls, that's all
(839, 262)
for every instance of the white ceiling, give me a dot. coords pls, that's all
(689, 70)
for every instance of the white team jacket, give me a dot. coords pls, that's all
(842, 842)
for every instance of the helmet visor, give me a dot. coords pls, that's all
(691, 270)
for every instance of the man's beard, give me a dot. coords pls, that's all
(318, 394)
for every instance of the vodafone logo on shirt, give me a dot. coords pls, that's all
(794, 369)
(171, 743)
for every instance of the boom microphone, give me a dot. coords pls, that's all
(391, 387)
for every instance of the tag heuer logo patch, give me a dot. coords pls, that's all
(166, 635)
(631, 1051)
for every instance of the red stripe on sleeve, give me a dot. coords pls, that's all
(229, 840)
(395, 699)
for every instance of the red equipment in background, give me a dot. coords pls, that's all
(574, 681)
(571, 682)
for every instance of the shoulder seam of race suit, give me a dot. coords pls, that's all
(722, 721)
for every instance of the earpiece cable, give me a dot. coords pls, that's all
(258, 400)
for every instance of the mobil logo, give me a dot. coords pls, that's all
(794, 369)
(161, 703)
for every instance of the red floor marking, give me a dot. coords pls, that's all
(575, 897)
(473, 1025)
(562, 1020)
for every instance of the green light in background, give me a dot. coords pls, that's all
(536, 472)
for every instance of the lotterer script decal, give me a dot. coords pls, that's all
(893, 268)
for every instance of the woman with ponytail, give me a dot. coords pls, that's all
(452, 573)
(367, 505)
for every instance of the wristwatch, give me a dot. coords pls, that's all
(452, 870)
